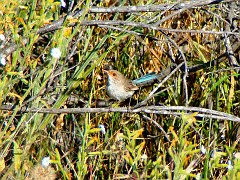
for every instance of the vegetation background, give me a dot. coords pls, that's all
(135, 37)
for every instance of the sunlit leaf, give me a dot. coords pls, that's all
(2, 165)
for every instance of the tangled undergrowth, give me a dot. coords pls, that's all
(52, 59)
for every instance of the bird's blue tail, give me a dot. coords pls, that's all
(150, 78)
(146, 79)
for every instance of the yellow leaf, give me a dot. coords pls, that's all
(190, 118)
(94, 130)
(141, 146)
(93, 140)
(174, 133)
(128, 158)
(22, 22)
(15, 95)
(48, 21)
(67, 31)
(2, 165)
(60, 122)
(137, 133)
(13, 73)
(72, 20)
(50, 1)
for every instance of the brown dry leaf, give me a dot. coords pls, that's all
(12, 128)
(60, 122)
(174, 134)
(28, 60)
(137, 133)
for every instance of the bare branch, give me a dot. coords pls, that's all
(150, 26)
(153, 8)
(167, 110)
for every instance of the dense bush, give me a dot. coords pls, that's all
(53, 101)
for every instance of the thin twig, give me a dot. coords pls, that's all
(184, 8)
(150, 26)
(152, 8)
(158, 125)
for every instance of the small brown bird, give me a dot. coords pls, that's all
(119, 87)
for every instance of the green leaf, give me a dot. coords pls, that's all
(17, 159)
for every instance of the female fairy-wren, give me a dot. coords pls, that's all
(119, 87)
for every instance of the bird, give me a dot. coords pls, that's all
(121, 88)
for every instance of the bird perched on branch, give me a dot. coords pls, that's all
(121, 88)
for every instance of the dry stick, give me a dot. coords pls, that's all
(150, 26)
(158, 125)
(151, 8)
(186, 6)
(229, 49)
(223, 70)
(167, 110)
(161, 30)
(151, 95)
(193, 109)
(160, 15)
(199, 31)
(125, 30)
(170, 52)
(185, 67)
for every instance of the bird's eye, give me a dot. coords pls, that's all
(114, 74)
